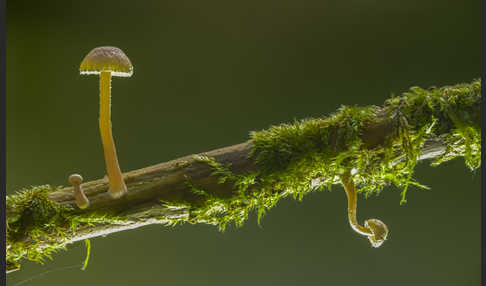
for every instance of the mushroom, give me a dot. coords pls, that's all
(374, 229)
(81, 199)
(107, 62)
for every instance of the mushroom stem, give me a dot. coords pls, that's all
(348, 184)
(81, 199)
(116, 184)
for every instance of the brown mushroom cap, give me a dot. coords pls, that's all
(75, 179)
(107, 59)
(379, 231)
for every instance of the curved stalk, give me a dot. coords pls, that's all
(348, 184)
(374, 229)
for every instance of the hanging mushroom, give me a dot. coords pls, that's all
(374, 229)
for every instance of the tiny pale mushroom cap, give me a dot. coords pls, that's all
(379, 230)
(75, 179)
(106, 59)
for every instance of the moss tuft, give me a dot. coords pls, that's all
(37, 226)
(32, 216)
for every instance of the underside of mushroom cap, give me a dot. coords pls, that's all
(379, 231)
(106, 59)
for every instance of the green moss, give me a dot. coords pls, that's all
(32, 216)
(38, 226)
(380, 145)
(319, 150)
(312, 154)
(218, 210)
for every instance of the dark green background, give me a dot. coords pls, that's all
(205, 74)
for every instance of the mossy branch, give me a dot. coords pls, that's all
(379, 145)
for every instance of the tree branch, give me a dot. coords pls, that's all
(380, 144)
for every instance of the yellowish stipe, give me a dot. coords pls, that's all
(352, 204)
(116, 183)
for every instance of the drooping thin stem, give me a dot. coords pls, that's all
(350, 189)
(117, 186)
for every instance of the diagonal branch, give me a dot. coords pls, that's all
(381, 146)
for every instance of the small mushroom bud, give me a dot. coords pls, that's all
(374, 229)
(81, 199)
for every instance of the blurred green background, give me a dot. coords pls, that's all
(205, 74)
